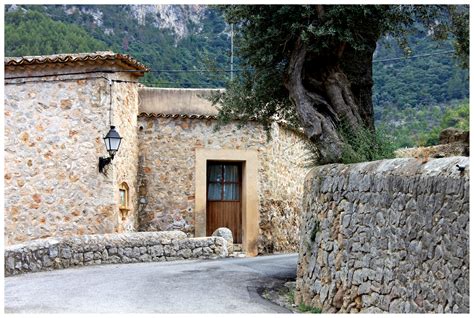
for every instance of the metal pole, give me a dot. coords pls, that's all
(231, 51)
(110, 103)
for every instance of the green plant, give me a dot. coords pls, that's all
(306, 308)
(365, 144)
(291, 296)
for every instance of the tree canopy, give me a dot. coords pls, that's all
(312, 64)
(36, 34)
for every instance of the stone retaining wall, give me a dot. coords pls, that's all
(64, 252)
(386, 236)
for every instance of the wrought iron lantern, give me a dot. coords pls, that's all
(112, 143)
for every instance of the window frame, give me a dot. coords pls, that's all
(124, 187)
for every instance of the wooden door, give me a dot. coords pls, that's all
(224, 198)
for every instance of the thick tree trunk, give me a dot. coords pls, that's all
(357, 65)
(328, 92)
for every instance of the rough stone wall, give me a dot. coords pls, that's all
(64, 252)
(167, 147)
(125, 164)
(282, 190)
(386, 236)
(53, 138)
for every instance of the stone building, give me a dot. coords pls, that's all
(174, 169)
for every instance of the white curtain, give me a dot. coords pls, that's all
(231, 174)
(215, 191)
(231, 191)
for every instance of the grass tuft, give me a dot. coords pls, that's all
(309, 309)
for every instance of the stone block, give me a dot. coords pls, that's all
(88, 256)
(77, 258)
(145, 258)
(10, 263)
(197, 252)
(53, 251)
(156, 250)
(128, 252)
(136, 252)
(114, 259)
(364, 288)
(112, 250)
(185, 253)
(206, 250)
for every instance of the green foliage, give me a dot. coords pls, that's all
(206, 47)
(268, 34)
(457, 117)
(365, 145)
(460, 18)
(291, 296)
(242, 102)
(34, 33)
(309, 309)
(418, 82)
(420, 126)
(412, 95)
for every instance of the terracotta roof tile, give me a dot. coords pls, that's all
(191, 116)
(72, 58)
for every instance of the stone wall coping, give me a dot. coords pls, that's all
(125, 238)
(401, 167)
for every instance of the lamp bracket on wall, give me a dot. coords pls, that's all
(103, 162)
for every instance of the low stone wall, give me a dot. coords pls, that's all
(386, 236)
(64, 252)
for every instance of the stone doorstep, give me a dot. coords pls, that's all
(237, 251)
(237, 255)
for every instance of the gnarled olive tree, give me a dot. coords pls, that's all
(312, 64)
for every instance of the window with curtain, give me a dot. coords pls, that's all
(223, 182)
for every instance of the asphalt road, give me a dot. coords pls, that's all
(217, 286)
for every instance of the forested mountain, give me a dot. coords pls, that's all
(412, 96)
(189, 46)
(33, 33)
(165, 38)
